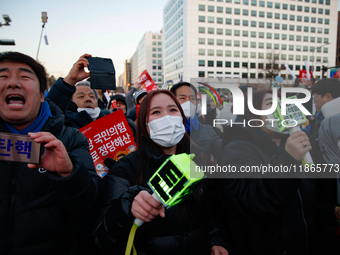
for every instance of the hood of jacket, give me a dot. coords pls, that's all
(331, 108)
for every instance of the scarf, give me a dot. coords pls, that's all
(37, 124)
(192, 124)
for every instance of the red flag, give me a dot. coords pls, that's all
(147, 81)
(303, 76)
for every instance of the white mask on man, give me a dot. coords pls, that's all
(189, 109)
(94, 113)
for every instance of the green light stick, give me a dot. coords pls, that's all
(171, 184)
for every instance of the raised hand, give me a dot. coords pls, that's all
(77, 72)
(298, 145)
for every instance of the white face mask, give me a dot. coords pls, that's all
(189, 109)
(94, 113)
(273, 126)
(167, 131)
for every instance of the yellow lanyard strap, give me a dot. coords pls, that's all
(130, 245)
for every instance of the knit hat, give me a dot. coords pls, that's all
(139, 95)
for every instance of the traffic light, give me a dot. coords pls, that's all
(324, 69)
(128, 84)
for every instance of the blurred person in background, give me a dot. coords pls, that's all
(266, 216)
(121, 105)
(204, 136)
(139, 97)
(75, 97)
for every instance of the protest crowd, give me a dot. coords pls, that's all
(106, 163)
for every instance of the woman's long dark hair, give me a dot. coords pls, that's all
(190, 205)
(143, 138)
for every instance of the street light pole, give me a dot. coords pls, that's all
(44, 21)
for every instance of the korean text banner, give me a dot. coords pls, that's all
(109, 136)
(19, 148)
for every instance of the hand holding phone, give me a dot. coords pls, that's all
(77, 72)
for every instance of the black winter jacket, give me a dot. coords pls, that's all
(61, 94)
(265, 216)
(186, 229)
(207, 140)
(38, 208)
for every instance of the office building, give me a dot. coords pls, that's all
(247, 38)
(148, 56)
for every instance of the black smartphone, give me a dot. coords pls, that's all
(102, 73)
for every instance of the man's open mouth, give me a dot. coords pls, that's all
(88, 105)
(15, 100)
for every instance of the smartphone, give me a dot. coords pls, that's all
(102, 73)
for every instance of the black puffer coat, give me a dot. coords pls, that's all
(265, 216)
(186, 229)
(38, 208)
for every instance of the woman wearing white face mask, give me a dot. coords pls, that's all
(266, 216)
(182, 229)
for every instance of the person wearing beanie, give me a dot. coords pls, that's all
(121, 105)
(139, 96)
(120, 102)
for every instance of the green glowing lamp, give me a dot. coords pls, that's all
(173, 182)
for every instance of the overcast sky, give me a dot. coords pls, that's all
(103, 28)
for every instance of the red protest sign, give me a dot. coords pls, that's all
(109, 136)
(147, 81)
(303, 76)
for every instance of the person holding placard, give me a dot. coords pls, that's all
(266, 213)
(40, 202)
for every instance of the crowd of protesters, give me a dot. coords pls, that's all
(61, 205)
